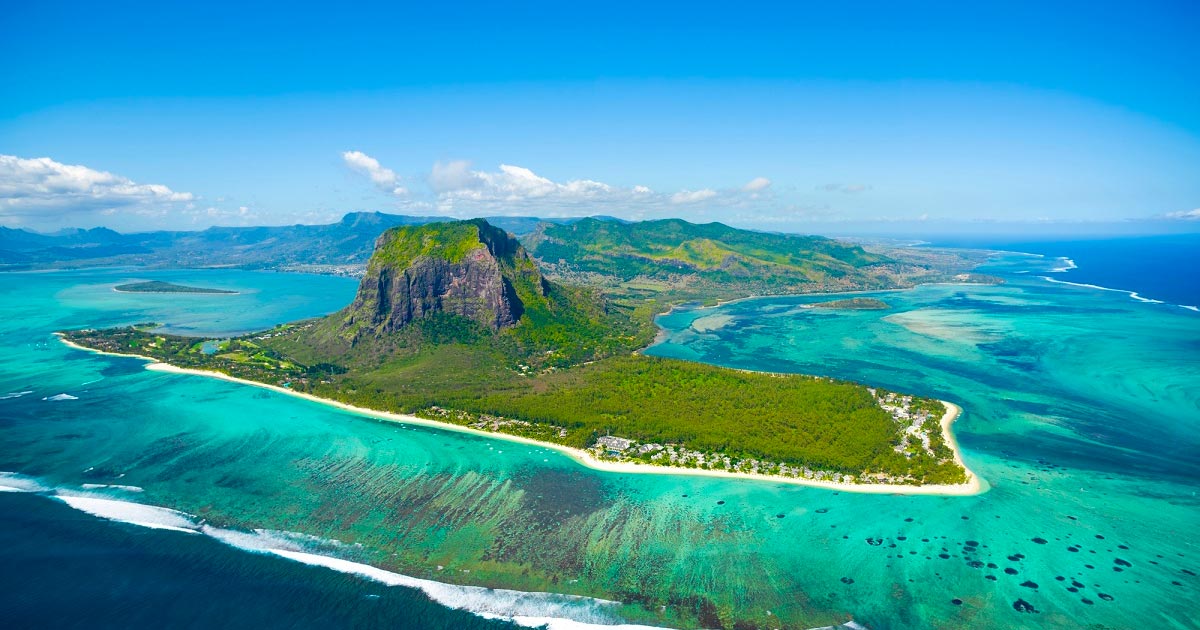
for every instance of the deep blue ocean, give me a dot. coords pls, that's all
(1164, 267)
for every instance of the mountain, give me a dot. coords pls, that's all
(711, 253)
(341, 247)
(470, 269)
(681, 261)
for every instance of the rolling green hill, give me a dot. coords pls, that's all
(711, 253)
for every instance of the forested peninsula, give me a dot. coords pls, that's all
(456, 323)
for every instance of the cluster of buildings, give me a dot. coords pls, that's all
(613, 448)
(914, 422)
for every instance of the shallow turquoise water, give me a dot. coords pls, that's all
(1082, 413)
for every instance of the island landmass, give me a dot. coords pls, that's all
(852, 304)
(454, 323)
(157, 286)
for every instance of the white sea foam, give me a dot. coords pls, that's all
(113, 486)
(16, 482)
(150, 516)
(552, 610)
(14, 395)
(1065, 265)
(549, 610)
(1132, 294)
(58, 397)
(1190, 308)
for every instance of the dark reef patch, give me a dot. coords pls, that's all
(1023, 606)
(553, 495)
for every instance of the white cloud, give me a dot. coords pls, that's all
(456, 180)
(453, 175)
(41, 190)
(1184, 215)
(693, 196)
(456, 187)
(383, 178)
(758, 184)
(848, 189)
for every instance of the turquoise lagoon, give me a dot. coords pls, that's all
(1082, 413)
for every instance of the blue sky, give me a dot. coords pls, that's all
(826, 118)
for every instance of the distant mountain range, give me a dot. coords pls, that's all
(671, 258)
(346, 244)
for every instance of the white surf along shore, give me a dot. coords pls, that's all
(973, 486)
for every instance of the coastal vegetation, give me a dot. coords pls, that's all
(852, 304)
(454, 322)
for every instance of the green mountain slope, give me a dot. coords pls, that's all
(712, 253)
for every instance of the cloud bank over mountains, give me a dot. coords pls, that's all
(457, 188)
(32, 190)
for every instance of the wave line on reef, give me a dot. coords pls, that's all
(1132, 294)
(554, 611)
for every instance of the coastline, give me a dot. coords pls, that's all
(972, 487)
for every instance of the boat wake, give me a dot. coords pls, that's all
(15, 395)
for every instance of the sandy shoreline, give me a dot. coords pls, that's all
(972, 487)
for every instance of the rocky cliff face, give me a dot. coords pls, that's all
(467, 268)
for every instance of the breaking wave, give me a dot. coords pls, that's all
(553, 611)
(1132, 294)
